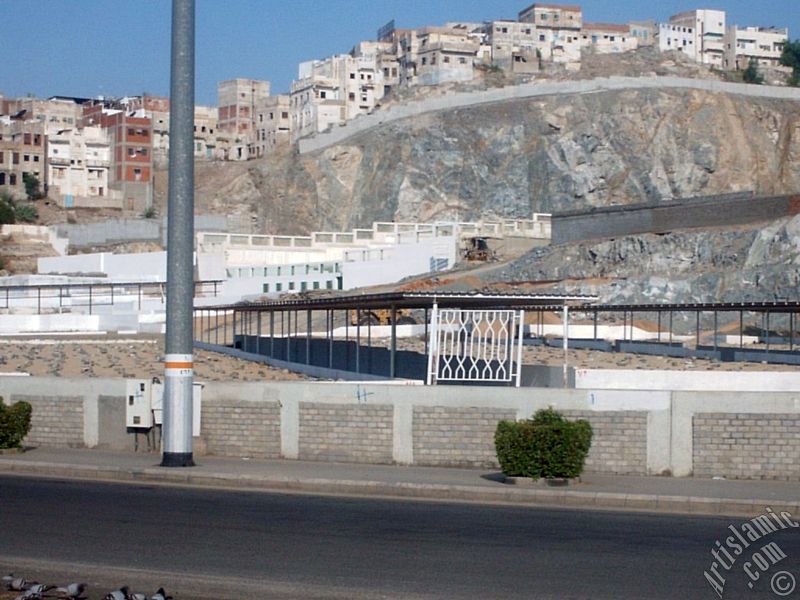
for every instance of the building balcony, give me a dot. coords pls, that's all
(98, 162)
(57, 160)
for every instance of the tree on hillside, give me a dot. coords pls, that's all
(7, 212)
(751, 74)
(32, 186)
(791, 58)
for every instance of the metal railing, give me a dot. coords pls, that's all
(58, 297)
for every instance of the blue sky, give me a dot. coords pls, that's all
(115, 48)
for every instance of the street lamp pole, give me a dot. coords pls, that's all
(178, 367)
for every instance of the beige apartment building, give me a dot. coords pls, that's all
(515, 46)
(608, 38)
(237, 100)
(206, 145)
(337, 89)
(78, 165)
(56, 113)
(22, 153)
(558, 26)
(273, 124)
(764, 45)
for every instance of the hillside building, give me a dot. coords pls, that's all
(703, 32)
(56, 113)
(78, 166)
(645, 32)
(337, 89)
(608, 38)
(558, 26)
(22, 153)
(515, 47)
(273, 124)
(764, 45)
(236, 120)
(130, 134)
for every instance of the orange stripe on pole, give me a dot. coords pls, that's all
(177, 365)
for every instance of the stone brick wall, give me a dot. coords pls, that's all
(461, 437)
(237, 428)
(746, 446)
(619, 442)
(346, 432)
(57, 421)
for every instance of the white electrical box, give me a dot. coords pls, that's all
(197, 403)
(138, 407)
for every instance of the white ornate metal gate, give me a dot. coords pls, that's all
(475, 345)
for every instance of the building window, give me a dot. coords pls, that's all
(26, 157)
(2, 178)
(12, 179)
(351, 96)
(447, 59)
(352, 75)
(35, 158)
(26, 139)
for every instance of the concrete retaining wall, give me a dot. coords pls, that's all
(113, 231)
(730, 434)
(338, 135)
(661, 218)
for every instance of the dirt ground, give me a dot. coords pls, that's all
(128, 357)
(141, 357)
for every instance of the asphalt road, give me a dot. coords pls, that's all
(215, 544)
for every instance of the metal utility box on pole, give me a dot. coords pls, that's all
(178, 367)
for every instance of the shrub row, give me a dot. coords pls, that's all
(548, 445)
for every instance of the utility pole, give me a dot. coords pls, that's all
(178, 369)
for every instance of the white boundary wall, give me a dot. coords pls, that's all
(734, 381)
(669, 422)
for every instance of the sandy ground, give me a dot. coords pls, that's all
(129, 357)
(140, 357)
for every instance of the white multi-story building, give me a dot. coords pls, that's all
(707, 29)
(764, 45)
(78, 163)
(335, 90)
(678, 38)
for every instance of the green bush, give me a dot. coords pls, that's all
(548, 445)
(15, 423)
(26, 213)
(7, 211)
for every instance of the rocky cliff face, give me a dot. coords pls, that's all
(723, 265)
(518, 157)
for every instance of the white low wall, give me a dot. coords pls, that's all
(664, 423)
(734, 381)
(143, 266)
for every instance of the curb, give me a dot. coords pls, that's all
(502, 494)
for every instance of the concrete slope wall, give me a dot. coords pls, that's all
(661, 218)
(731, 434)
(365, 123)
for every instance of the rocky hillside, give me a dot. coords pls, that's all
(550, 154)
(519, 157)
(760, 263)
